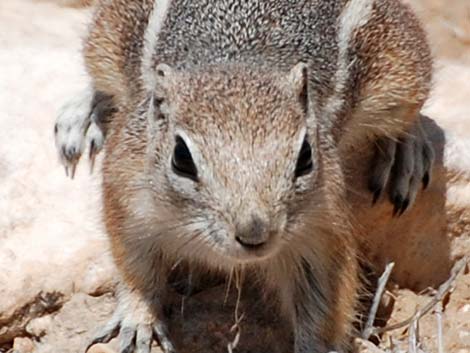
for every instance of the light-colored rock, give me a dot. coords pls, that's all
(448, 27)
(101, 348)
(70, 3)
(38, 327)
(51, 238)
(73, 327)
(23, 345)
(362, 346)
(456, 324)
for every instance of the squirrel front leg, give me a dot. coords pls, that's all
(82, 122)
(322, 305)
(139, 315)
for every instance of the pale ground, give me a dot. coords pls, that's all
(52, 244)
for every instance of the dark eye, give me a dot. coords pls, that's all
(182, 162)
(304, 162)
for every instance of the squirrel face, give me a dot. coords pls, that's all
(235, 159)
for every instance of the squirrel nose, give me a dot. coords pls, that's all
(252, 234)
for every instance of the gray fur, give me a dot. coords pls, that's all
(276, 34)
(224, 77)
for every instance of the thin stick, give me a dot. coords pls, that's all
(445, 288)
(418, 339)
(369, 329)
(412, 337)
(440, 340)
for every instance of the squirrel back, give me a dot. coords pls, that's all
(368, 60)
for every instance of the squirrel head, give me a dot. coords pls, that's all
(235, 162)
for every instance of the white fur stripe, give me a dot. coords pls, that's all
(355, 14)
(157, 17)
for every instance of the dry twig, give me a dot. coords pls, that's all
(369, 329)
(440, 340)
(413, 336)
(445, 288)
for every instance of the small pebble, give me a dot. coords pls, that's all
(39, 327)
(23, 345)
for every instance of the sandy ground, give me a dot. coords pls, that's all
(51, 236)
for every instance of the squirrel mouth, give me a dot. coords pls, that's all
(255, 252)
(252, 244)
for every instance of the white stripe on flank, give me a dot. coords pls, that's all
(355, 14)
(157, 17)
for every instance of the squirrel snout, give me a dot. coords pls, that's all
(252, 234)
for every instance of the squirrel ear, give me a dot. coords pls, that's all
(166, 79)
(164, 71)
(297, 83)
(298, 80)
(165, 76)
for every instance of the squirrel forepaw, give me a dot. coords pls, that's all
(404, 165)
(136, 324)
(79, 126)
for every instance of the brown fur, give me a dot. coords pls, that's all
(393, 71)
(389, 81)
(113, 49)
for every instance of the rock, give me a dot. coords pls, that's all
(40, 326)
(362, 346)
(456, 324)
(447, 25)
(52, 242)
(73, 327)
(101, 348)
(23, 345)
(73, 3)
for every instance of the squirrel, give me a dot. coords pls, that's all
(226, 125)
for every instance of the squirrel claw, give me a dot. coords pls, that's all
(426, 180)
(376, 197)
(397, 206)
(162, 336)
(403, 165)
(95, 138)
(108, 333)
(135, 325)
(73, 169)
(133, 337)
(92, 156)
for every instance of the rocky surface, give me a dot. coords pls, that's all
(56, 275)
(51, 240)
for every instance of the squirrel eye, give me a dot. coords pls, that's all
(304, 162)
(182, 162)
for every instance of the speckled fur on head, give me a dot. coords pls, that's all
(254, 124)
